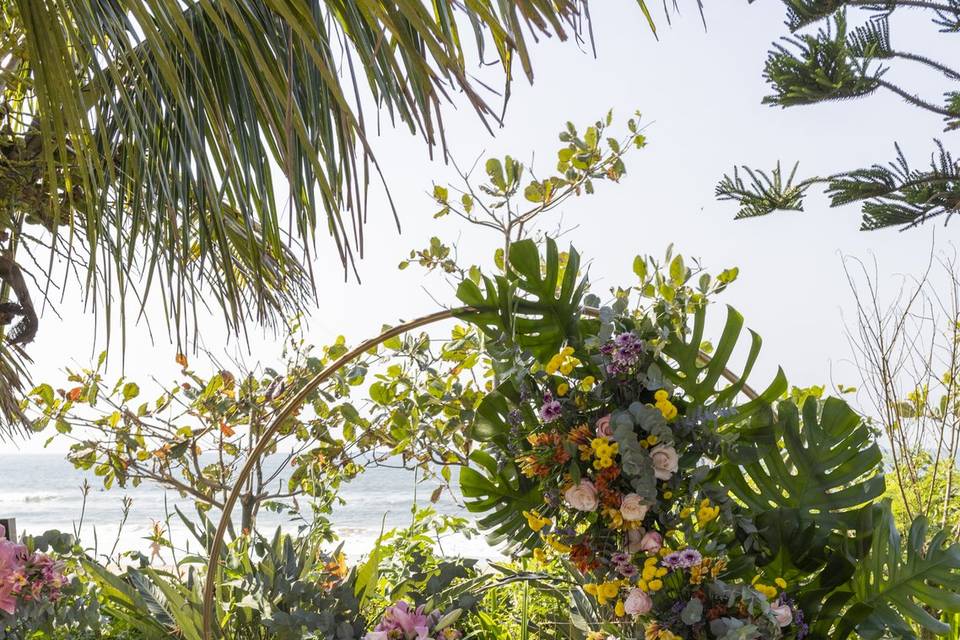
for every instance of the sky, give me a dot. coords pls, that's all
(700, 94)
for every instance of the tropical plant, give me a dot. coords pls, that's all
(141, 142)
(797, 500)
(849, 60)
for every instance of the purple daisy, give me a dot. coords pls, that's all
(690, 557)
(619, 558)
(671, 560)
(550, 411)
(627, 570)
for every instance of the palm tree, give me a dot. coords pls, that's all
(141, 140)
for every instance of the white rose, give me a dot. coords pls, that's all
(665, 461)
(582, 496)
(783, 614)
(632, 507)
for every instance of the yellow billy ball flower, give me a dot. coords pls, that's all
(661, 395)
(655, 585)
(562, 389)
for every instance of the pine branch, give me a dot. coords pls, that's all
(818, 68)
(765, 193)
(896, 195)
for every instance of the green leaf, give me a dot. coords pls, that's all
(822, 471)
(536, 306)
(130, 391)
(902, 586)
(502, 493)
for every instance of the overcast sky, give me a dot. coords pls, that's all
(700, 94)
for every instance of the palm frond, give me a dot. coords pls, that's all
(150, 140)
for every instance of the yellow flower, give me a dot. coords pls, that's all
(587, 383)
(652, 440)
(596, 635)
(554, 364)
(554, 542)
(540, 555)
(661, 395)
(667, 495)
(535, 521)
(569, 364)
(566, 351)
(686, 512)
(706, 513)
(562, 389)
(780, 582)
(619, 609)
(655, 585)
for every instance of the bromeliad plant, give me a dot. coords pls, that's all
(612, 445)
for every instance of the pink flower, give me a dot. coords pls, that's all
(637, 603)
(783, 614)
(582, 496)
(651, 542)
(632, 508)
(603, 427)
(12, 558)
(665, 461)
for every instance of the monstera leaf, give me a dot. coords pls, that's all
(816, 479)
(700, 377)
(503, 493)
(536, 306)
(894, 585)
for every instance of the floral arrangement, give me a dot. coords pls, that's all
(618, 455)
(26, 577)
(405, 621)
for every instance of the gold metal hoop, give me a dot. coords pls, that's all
(292, 405)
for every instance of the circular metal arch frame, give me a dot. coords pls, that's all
(294, 403)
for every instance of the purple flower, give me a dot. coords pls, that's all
(619, 558)
(627, 570)
(689, 557)
(550, 411)
(671, 560)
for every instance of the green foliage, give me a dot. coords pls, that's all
(839, 63)
(498, 490)
(278, 589)
(534, 306)
(897, 195)
(901, 583)
(765, 193)
(823, 67)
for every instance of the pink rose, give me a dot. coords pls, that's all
(665, 461)
(603, 427)
(651, 542)
(582, 496)
(783, 614)
(637, 603)
(632, 508)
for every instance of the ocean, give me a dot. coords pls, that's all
(44, 491)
